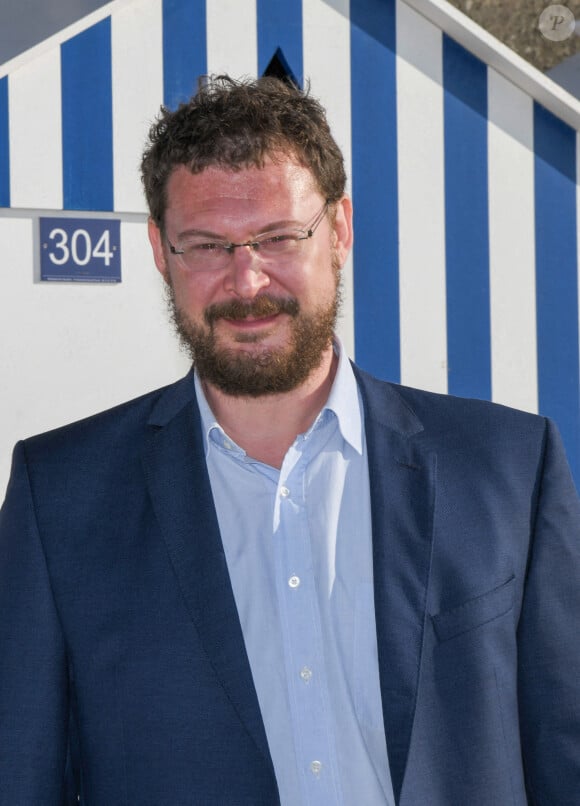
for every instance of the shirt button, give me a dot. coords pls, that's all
(306, 674)
(284, 492)
(228, 445)
(315, 767)
(294, 581)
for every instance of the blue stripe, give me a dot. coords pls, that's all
(184, 49)
(87, 119)
(375, 187)
(280, 26)
(466, 222)
(4, 145)
(557, 278)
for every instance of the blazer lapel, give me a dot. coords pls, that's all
(402, 483)
(180, 489)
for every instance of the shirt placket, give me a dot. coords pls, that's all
(302, 636)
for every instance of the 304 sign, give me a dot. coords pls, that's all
(80, 250)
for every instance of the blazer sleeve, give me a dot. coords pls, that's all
(549, 638)
(34, 711)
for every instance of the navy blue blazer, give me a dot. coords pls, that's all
(123, 672)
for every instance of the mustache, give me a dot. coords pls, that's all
(264, 305)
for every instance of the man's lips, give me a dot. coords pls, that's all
(252, 321)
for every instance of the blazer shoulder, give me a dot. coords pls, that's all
(459, 417)
(123, 423)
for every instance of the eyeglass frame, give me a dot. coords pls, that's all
(229, 246)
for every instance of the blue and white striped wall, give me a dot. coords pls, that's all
(464, 163)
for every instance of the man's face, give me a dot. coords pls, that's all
(253, 327)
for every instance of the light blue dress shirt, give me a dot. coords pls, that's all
(299, 553)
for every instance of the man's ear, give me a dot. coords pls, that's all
(343, 231)
(156, 240)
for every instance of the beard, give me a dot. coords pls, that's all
(257, 372)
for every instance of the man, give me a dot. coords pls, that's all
(280, 580)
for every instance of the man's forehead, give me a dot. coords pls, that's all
(283, 175)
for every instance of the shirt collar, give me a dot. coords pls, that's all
(344, 401)
(208, 421)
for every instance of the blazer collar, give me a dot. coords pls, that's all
(402, 484)
(180, 490)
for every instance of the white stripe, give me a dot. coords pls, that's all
(326, 41)
(512, 244)
(232, 37)
(36, 133)
(137, 77)
(422, 281)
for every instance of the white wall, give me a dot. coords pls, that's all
(72, 349)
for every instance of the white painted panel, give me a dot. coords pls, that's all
(326, 46)
(512, 244)
(232, 37)
(15, 322)
(422, 281)
(137, 74)
(68, 350)
(36, 133)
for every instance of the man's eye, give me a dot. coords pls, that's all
(208, 246)
(278, 239)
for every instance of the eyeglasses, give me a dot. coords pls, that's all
(281, 246)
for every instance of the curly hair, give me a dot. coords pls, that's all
(239, 124)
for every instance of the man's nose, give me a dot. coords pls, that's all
(246, 275)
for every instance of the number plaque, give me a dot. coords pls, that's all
(80, 250)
